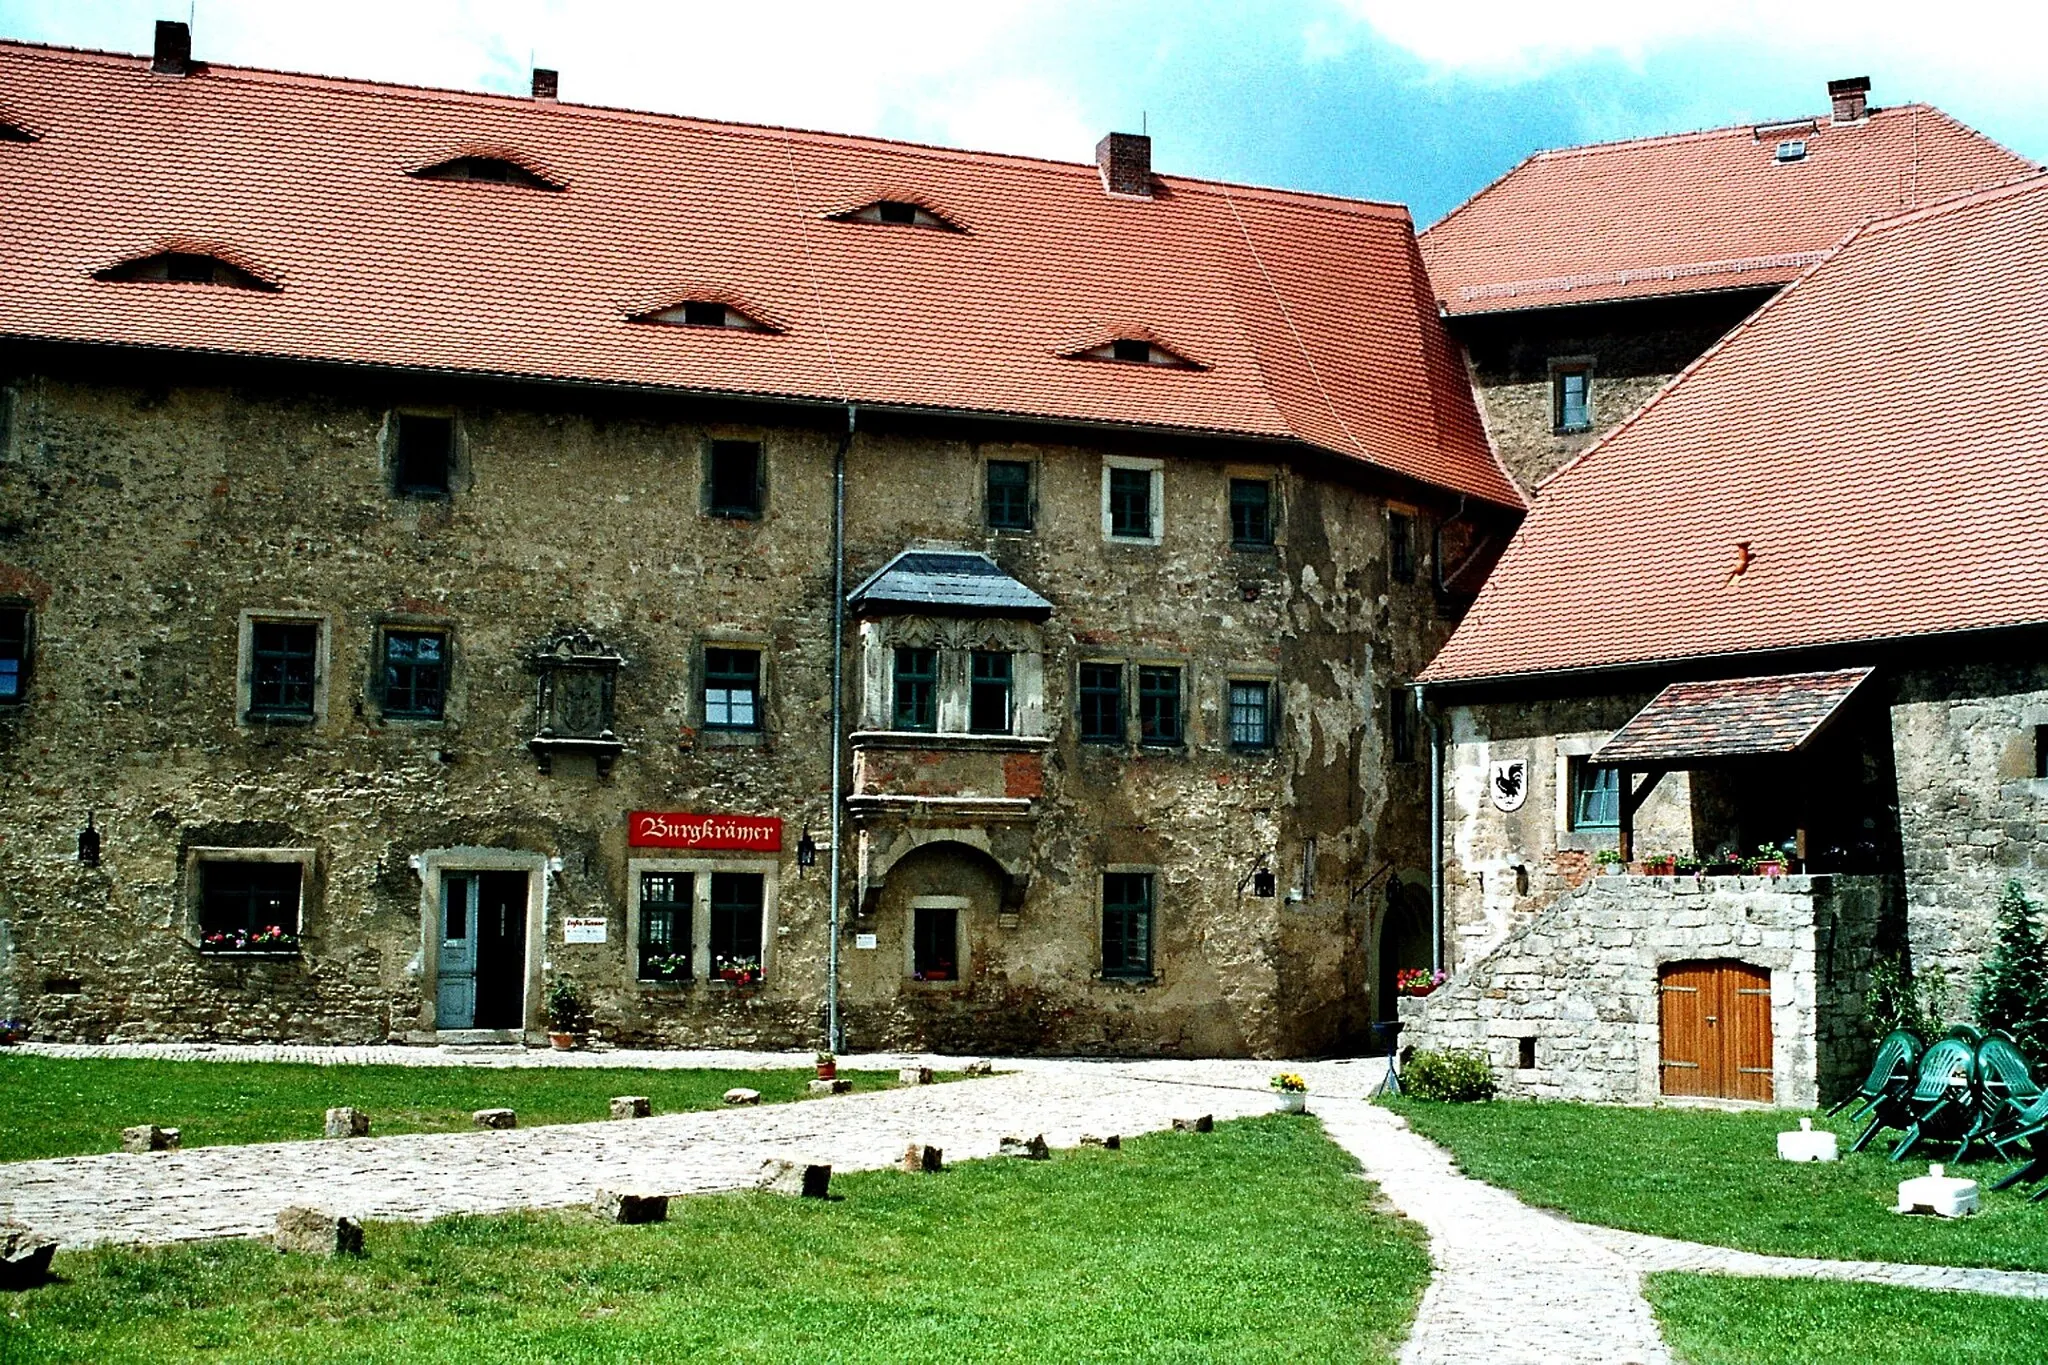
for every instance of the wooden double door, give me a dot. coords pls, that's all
(1715, 1025)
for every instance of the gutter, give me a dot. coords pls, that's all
(1436, 827)
(835, 1037)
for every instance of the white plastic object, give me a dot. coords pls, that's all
(1807, 1145)
(1945, 1196)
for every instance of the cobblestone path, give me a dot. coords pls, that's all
(1648, 1253)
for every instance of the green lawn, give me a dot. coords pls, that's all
(54, 1106)
(1709, 1176)
(1255, 1243)
(1721, 1320)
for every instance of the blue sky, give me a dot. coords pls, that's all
(1419, 101)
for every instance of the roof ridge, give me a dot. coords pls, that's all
(414, 90)
(1747, 129)
(1960, 201)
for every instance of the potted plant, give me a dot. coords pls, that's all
(1658, 865)
(568, 1013)
(1417, 981)
(667, 967)
(1771, 861)
(738, 971)
(1689, 865)
(828, 1066)
(1610, 862)
(12, 1031)
(1292, 1092)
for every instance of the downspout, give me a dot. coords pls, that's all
(834, 1036)
(1436, 829)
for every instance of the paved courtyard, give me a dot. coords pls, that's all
(1511, 1284)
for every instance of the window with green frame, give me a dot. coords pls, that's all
(1130, 503)
(1251, 514)
(1595, 795)
(1009, 495)
(732, 689)
(917, 688)
(1159, 720)
(1127, 924)
(1102, 703)
(415, 673)
(665, 901)
(988, 692)
(736, 903)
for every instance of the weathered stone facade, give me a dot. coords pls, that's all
(149, 520)
(1581, 979)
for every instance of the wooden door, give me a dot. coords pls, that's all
(1715, 1029)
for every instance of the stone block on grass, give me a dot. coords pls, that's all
(1111, 1143)
(347, 1123)
(981, 1066)
(739, 1094)
(920, 1159)
(24, 1255)
(631, 1107)
(316, 1232)
(147, 1137)
(914, 1075)
(624, 1206)
(798, 1179)
(1030, 1149)
(1206, 1123)
(495, 1118)
(835, 1087)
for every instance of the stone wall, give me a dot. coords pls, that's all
(1972, 812)
(140, 521)
(1580, 978)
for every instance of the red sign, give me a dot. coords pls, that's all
(730, 833)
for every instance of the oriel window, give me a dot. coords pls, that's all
(283, 667)
(1102, 703)
(917, 688)
(1009, 495)
(736, 901)
(1159, 717)
(732, 689)
(1130, 503)
(425, 457)
(415, 674)
(13, 655)
(1251, 514)
(733, 482)
(989, 692)
(665, 902)
(1251, 715)
(1127, 924)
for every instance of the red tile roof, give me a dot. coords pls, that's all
(1312, 315)
(1698, 211)
(1733, 717)
(1869, 450)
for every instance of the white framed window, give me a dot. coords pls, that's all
(935, 940)
(1133, 500)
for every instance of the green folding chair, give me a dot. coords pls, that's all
(1891, 1071)
(1942, 1105)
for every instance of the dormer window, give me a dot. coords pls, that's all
(900, 213)
(1136, 351)
(707, 313)
(184, 267)
(494, 170)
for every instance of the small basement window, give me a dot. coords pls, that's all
(494, 170)
(423, 458)
(183, 267)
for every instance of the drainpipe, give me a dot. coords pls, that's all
(834, 1037)
(1436, 829)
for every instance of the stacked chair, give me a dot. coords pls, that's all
(1967, 1088)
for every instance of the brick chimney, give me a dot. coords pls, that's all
(1125, 160)
(1851, 98)
(546, 83)
(173, 55)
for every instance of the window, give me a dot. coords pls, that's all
(900, 212)
(415, 674)
(1401, 725)
(665, 899)
(1159, 704)
(1572, 394)
(425, 456)
(2040, 747)
(283, 664)
(1401, 547)
(1251, 715)
(496, 170)
(733, 484)
(1135, 351)
(1009, 495)
(184, 267)
(713, 313)
(1127, 924)
(1251, 514)
(13, 655)
(1595, 795)
(917, 688)
(988, 692)
(736, 926)
(935, 943)
(1130, 503)
(1102, 703)
(249, 906)
(732, 689)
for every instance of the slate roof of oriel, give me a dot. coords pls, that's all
(1732, 717)
(1311, 315)
(946, 583)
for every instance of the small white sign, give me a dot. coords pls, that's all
(866, 941)
(580, 930)
(1507, 782)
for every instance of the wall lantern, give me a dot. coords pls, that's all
(806, 850)
(89, 843)
(1263, 883)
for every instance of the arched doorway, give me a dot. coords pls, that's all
(1404, 941)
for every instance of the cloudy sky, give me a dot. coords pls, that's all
(1421, 101)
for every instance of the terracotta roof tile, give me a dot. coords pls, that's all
(1698, 211)
(1869, 449)
(1733, 717)
(1311, 314)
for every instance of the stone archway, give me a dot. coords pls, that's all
(1404, 941)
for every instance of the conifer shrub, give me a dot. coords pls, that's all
(2012, 990)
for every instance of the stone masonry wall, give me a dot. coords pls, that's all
(1580, 978)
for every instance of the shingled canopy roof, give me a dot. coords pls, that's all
(1732, 718)
(1864, 459)
(1310, 316)
(946, 583)
(1697, 212)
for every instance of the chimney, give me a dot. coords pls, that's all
(173, 55)
(546, 83)
(1125, 160)
(1850, 98)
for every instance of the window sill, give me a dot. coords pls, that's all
(1012, 530)
(1114, 539)
(656, 983)
(268, 954)
(948, 986)
(1254, 750)
(278, 718)
(732, 514)
(708, 738)
(1125, 982)
(1254, 547)
(411, 722)
(1571, 431)
(944, 739)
